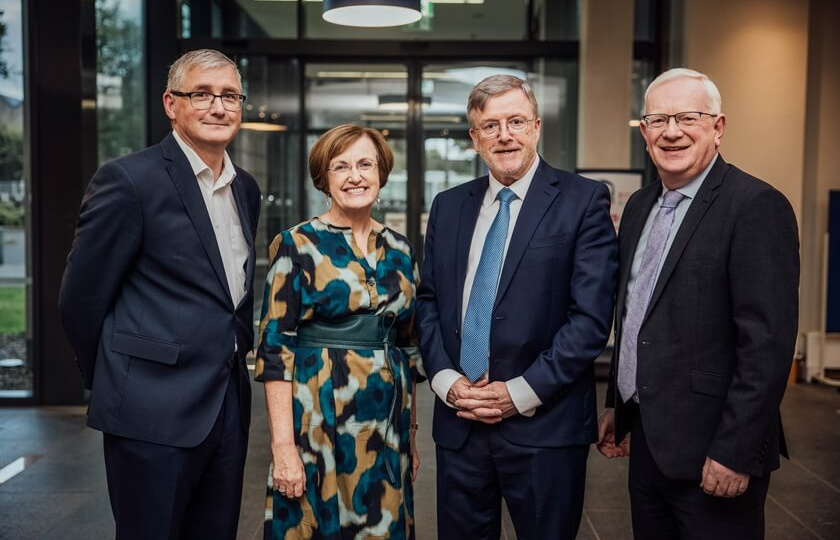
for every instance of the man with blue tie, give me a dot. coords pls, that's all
(706, 324)
(514, 306)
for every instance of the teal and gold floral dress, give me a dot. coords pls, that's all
(355, 449)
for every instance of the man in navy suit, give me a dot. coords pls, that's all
(514, 306)
(156, 303)
(706, 324)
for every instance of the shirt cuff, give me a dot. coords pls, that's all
(443, 381)
(523, 396)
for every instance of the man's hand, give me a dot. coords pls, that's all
(460, 389)
(606, 436)
(721, 481)
(486, 402)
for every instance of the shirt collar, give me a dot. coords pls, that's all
(520, 187)
(690, 189)
(198, 166)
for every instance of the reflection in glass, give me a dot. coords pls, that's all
(15, 367)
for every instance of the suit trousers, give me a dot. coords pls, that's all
(169, 493)
(542, 487)
(674, 509)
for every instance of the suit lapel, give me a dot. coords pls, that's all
(540, 195)
(245, 223)
(699, 206)
(185, 182)
(466, 227)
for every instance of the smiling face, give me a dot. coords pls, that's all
(214, 128)
(679, 153)
(507, 155)
(354, 190)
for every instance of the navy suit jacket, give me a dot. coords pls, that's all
(553, 308)
(716, 344)
(145, 303)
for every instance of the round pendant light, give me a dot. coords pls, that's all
(372, 13)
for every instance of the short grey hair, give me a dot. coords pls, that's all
(202, 58)
(712, 92)
(494, 85)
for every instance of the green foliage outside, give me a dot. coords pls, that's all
(119, 44)
(11, 214)
(12, 310)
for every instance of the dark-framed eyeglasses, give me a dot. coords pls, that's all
(491, 129)
(364, 165)
(686, 119)
(204, 100)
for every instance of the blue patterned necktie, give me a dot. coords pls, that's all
(475, 343)
(639, 298)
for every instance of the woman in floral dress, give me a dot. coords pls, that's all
(338, 357)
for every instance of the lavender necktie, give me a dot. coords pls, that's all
(639, 298)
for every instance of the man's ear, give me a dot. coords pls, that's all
(169, 105)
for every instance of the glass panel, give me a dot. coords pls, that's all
(15, 272)
(268, 147)
(373, 95)
(120, 78)
(556, 19)
(238, 19)
(450, 159)
(442, 20)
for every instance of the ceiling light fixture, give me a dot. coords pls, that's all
(372, 13)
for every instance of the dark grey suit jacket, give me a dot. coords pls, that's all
(145, 303)
(716, 345)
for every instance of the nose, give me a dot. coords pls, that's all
(673, 129)
(504, 133)
(216, 106)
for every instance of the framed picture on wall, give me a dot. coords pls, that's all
(622, 184)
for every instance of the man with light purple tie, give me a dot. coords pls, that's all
(706, 323)
(514, 306)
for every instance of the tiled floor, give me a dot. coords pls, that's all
(61, 492)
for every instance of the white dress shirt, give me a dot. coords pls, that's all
(221, 206)
(523, 396)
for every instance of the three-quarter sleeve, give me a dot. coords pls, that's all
(281, 312)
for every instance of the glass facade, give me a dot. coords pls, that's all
(15, 272)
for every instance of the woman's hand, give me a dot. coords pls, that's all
(288, 477)
(415, 457)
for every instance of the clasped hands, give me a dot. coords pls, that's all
(482, 401)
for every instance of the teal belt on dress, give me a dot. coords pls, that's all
(360, 331)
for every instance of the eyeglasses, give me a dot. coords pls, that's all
(204, 100)
(363, 166)
(683, 119)
(514, 125)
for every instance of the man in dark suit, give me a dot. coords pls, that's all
(706, 324)
(156, 303)
(514, 306)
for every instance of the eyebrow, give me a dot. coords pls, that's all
(209, 88)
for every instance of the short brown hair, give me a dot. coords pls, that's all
(494, 85)
(336, 141)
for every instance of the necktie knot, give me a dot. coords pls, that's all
(672, 199)
(505, 195)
